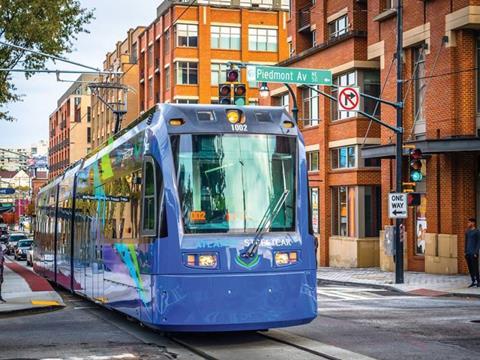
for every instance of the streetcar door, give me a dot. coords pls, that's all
(98, 269)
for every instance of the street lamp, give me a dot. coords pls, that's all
(264, 91)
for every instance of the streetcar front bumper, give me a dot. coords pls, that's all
(233, 302)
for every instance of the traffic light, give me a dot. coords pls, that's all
(224, 94)
(239, 93)
(414, 199)
(233, 75)
(416, 165)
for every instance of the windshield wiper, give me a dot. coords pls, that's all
(265, 224)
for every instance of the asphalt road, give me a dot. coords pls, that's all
(354, 322)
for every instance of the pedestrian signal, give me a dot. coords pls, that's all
(413, 199)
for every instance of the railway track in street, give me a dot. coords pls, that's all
(277, 344)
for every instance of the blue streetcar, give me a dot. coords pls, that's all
(194, 218)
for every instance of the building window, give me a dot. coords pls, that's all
(186, 35)
(283, 100)
(310, 107)
(389, 4)
(371, 86)
(338, 27)
(347, 79)
(344, 157)
(343, 210)
(312, 160)
(218, 73)
(262, 39)
(419, 84)
(89, 114)
(89, 135)
(291, 49)
(134, 55)
(314, 38)
(356, 211)
(186, 101)
(150, 88)
(167, 78)
(166, 42)
(225, 37)
(186, 73)
(150, 55)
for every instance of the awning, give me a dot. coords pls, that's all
(428, 146)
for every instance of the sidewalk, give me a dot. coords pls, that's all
(24, 290)
(414, 282)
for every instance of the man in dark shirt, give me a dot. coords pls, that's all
(472, 246)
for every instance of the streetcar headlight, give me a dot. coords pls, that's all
(208, 261)
(283, 258)
(233, 116)
(204, 261)
(288, 124)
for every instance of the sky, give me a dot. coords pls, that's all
(112, 20)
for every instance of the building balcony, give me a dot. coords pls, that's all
(304, 21)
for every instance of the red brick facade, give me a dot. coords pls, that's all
(440, 91)
(449, 107)
(342, 54)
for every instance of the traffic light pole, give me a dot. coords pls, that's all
(295, 104)
(399, 143)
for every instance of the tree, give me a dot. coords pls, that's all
(49, 26)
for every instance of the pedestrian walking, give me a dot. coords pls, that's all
(2, 259)
(472, 247)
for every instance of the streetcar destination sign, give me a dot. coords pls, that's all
(276, 74)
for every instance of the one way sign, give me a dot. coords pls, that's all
(397, 206)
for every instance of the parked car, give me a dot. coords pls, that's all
(13, 240)
(30, 257)
(3, 234)
(21, 249)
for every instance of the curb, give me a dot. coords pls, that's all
(351, 283)
(30, 311)
(390, 287)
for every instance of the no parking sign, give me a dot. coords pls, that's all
(348, 98)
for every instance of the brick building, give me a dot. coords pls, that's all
(123, 59)
(183, 54)
(345, 188)
(69, 127)
(441, 53)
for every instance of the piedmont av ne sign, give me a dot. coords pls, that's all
(276, 74)
(397, 206)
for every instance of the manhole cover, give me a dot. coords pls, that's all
(475, 321)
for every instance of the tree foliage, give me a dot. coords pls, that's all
(49, 26)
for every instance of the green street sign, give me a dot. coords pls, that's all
(276, 74)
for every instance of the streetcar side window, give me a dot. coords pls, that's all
(149, 206)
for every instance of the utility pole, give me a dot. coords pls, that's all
(399, 145)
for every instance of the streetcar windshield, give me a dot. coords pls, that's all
(228, 183)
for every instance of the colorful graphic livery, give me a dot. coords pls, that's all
(194, 218)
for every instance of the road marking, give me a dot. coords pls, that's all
(45, 303)
(347, 295)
